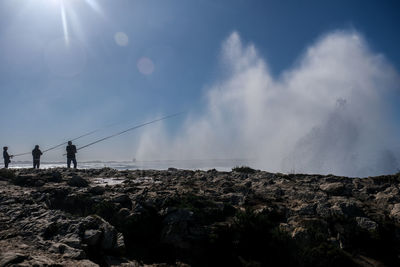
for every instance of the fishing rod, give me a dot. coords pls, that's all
(130, 129)
(83, 135)
(64, 143)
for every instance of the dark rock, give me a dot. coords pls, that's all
(124, 213)
(92, 237)
(204, 218)
(120, 244)
(109, 237)
(333, 188)
(395, 212)
(6, 174)
(97, 190)
(72, 240)
(124, 200)
(366, 223)
(67, 251)
(175, 230)
(77, 181)
(11, 258)
(24, 180)
(55, 177)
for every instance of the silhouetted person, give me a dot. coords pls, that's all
(71, 151)
(36, 153)
(6, 157)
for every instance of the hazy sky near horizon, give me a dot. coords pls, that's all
(71, 66)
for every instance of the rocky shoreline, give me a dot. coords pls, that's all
(63, 217)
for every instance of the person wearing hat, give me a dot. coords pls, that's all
(6, 157)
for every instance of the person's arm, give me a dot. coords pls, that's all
(40, 152)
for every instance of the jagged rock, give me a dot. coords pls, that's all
(40, 260)
(120, 244)
(98, 231)
(109, 237)
(11, 258)
(333, 188)
(306, 209)
(124, 200)
(178, 216)
(55, 177)
(72, 240)
(395, 212)
(168, 216)
(97, 190)
(67, 251)
(92, 237)
(25, 180)
(175, 230)
(124, 213)
(77, 181)
(84, 263)
(323, 209)
(366, 223)
(347, 208)
(300, 233)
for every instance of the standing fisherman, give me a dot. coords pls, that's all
(6, 157)
(36, 153)
(71, 151)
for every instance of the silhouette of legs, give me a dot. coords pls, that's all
(36, 163)
(69, 162)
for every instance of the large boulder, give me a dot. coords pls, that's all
(98, 233)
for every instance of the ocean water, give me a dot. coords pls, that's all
(218, 164)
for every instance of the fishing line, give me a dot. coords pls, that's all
(130, 129)
(102, 139)
(73, 139)
(83, 135)
(64, 143)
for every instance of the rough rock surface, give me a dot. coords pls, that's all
(62, 217)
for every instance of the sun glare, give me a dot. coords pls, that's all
(66, 14)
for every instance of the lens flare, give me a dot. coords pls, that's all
(121, 39)
(145, 66)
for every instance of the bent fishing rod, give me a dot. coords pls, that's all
(130, 129)
(73, 139)
(81, 136)
(64, 143)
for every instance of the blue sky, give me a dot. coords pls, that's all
(51, 93)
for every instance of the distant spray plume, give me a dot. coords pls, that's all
(330, 113)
